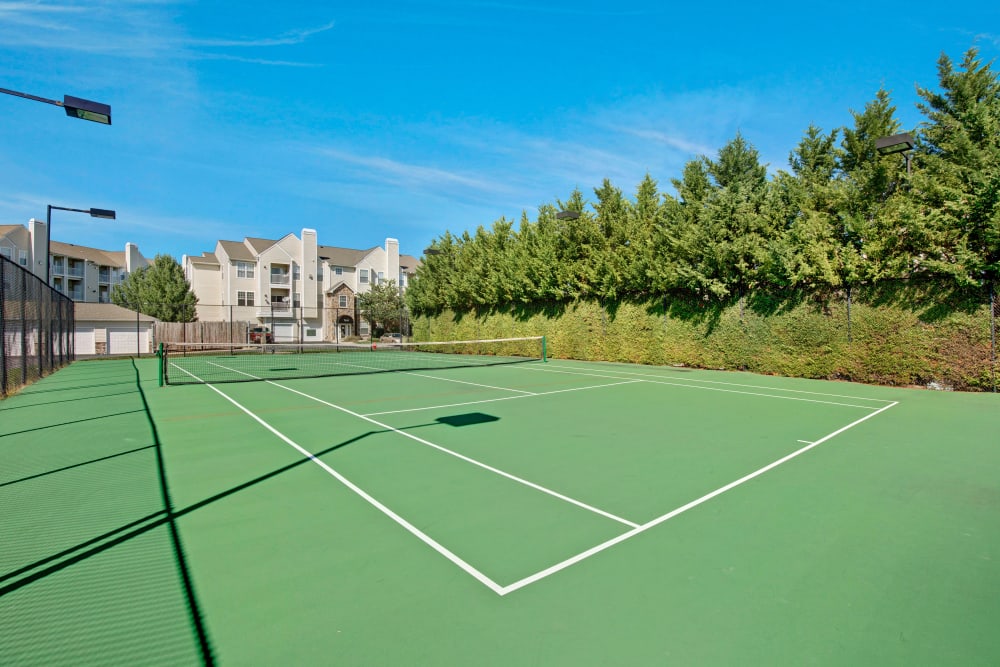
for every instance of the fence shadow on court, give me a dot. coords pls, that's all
(89, 572)
(123, 535)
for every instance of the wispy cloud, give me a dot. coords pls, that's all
(680, 143)
(131, 29)
(292, 37)
(408, 174)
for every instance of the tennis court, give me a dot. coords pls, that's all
(538, 512)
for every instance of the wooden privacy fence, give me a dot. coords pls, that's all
(201, 332)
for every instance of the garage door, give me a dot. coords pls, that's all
(284, 332)
(83, 341)
(126, 341)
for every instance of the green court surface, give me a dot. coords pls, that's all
(541, 513)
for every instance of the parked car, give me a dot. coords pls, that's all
(260, 335)
(391, 338)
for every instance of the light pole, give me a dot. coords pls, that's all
(94, 213)
(897, 143)
(75, 107)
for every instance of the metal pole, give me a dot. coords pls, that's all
(48, 245)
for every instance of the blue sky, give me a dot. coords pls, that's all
(366, 120)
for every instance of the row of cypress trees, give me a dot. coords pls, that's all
(840, 215)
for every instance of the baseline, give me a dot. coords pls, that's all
(583, 555)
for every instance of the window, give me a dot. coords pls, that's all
(297, 300)
(339, 270)
(296, 274)
(6, 252)
(363, 328)
(244, 270)
(363, 278)
(244, 298)
(23, 259)
(319, 273)
(343, 301)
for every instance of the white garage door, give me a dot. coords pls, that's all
(284, 332)
(83, 341)
(125, 341)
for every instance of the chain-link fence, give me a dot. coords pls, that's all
(36, 328)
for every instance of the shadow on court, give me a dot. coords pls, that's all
(118, 551)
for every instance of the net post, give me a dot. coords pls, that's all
(159, 365)
(545, 357)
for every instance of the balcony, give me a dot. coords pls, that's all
(75, 271)
(57, 268)
(104, 276)
(281, 278)
(276, 310)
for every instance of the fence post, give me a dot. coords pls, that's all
(3, 328)
(39, 304)
(993, 337)
(848, 313)
(24, 328)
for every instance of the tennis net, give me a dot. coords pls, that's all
(210, 363)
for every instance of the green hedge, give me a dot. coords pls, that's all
(889, 345)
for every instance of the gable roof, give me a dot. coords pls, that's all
(238, 251)
(338, 285)
(109, 312)
(410, 262)
(102, 257)
(258, 245)
(205, 258)
(341, 256)
(18, 234)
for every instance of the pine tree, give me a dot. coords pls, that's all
(159, 290)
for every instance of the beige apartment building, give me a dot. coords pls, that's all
(82, 273)
(301, 290)
(87, 276)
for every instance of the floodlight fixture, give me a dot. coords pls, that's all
(76, 107)
(897, 143)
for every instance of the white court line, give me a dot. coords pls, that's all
(730, 384)
(728, 391)
(427, 443)
(475, 384)
(680, 510)
(419, 534)
(637, 529)
(502, 398)
(463, 457)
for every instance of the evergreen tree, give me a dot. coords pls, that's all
(383, 306)
(957, 207)
(159, 290)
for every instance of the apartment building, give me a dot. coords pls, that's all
(302, 290)
(82, 273)
(86, 275)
